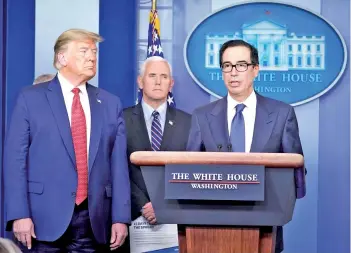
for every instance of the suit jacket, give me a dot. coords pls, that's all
(40, 167)
(275, 131)
(174, 139)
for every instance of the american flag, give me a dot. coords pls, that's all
(154, 47)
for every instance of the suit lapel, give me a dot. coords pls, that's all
(140, 127)
(263, 125)
(219, 123)
(168, 128)
(96, 123)
(58, 107)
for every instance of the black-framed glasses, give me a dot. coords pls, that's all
(240, 67)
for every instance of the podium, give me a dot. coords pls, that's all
(223, 226)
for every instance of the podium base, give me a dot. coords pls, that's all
(207, 239)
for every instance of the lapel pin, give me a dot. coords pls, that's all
(98, 100)
(170, 122)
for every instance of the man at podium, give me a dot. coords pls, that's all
(244, 121)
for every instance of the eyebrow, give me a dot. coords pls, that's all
(241, 62)
(162, 74)
(86, 48)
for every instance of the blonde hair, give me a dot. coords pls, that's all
(8, 246)
(43, 78)
(72, 35)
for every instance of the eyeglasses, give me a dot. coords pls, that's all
(240, 67)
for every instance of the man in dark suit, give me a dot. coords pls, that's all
(244, 121)
(153, 125)
(66, 175)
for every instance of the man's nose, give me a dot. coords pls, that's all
(158, 80)
(234, 72)
(91, 56)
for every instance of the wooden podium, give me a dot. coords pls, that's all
(224, 227)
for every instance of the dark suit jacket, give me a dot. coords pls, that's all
(275, 131)
(174, 139)
(40, 166)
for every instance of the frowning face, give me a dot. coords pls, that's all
(156, 81)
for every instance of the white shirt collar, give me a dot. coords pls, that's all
(148, 110)
(67, 87)
(250, 102)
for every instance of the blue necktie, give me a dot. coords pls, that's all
(237, 133)
(156, 132)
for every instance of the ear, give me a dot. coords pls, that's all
(256, 70)
(61, 59)
(140, 82)
(171, 85)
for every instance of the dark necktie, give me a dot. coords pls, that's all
(156, 132)
(237, 133)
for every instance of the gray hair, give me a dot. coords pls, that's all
(43, 78)
(72, 35)
(8, 246)
(154, 59)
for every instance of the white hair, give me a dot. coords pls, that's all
(43, 78)
(154, 59)
(7, 246)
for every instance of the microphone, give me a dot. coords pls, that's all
(202, 147)
(219, 147)
(229, 148)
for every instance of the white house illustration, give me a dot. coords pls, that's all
(277, 50)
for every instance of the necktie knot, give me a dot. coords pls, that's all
(155, 114)
(76, 91)
(239, 108)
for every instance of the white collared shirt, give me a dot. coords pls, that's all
(148, 110)
(249, 114)
(68, 95)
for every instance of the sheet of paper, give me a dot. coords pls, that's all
(146, 238)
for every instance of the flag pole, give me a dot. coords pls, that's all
(153, 5)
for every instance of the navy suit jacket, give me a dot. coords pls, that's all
(275, 131)
(175, 137)
(40, 168)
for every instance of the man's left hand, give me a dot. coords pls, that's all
(119, 232)
(149, 213)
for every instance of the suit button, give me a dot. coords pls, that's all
(73, 194)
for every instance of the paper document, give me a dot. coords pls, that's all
(146, 238)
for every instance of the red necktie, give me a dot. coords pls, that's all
(79, 135)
